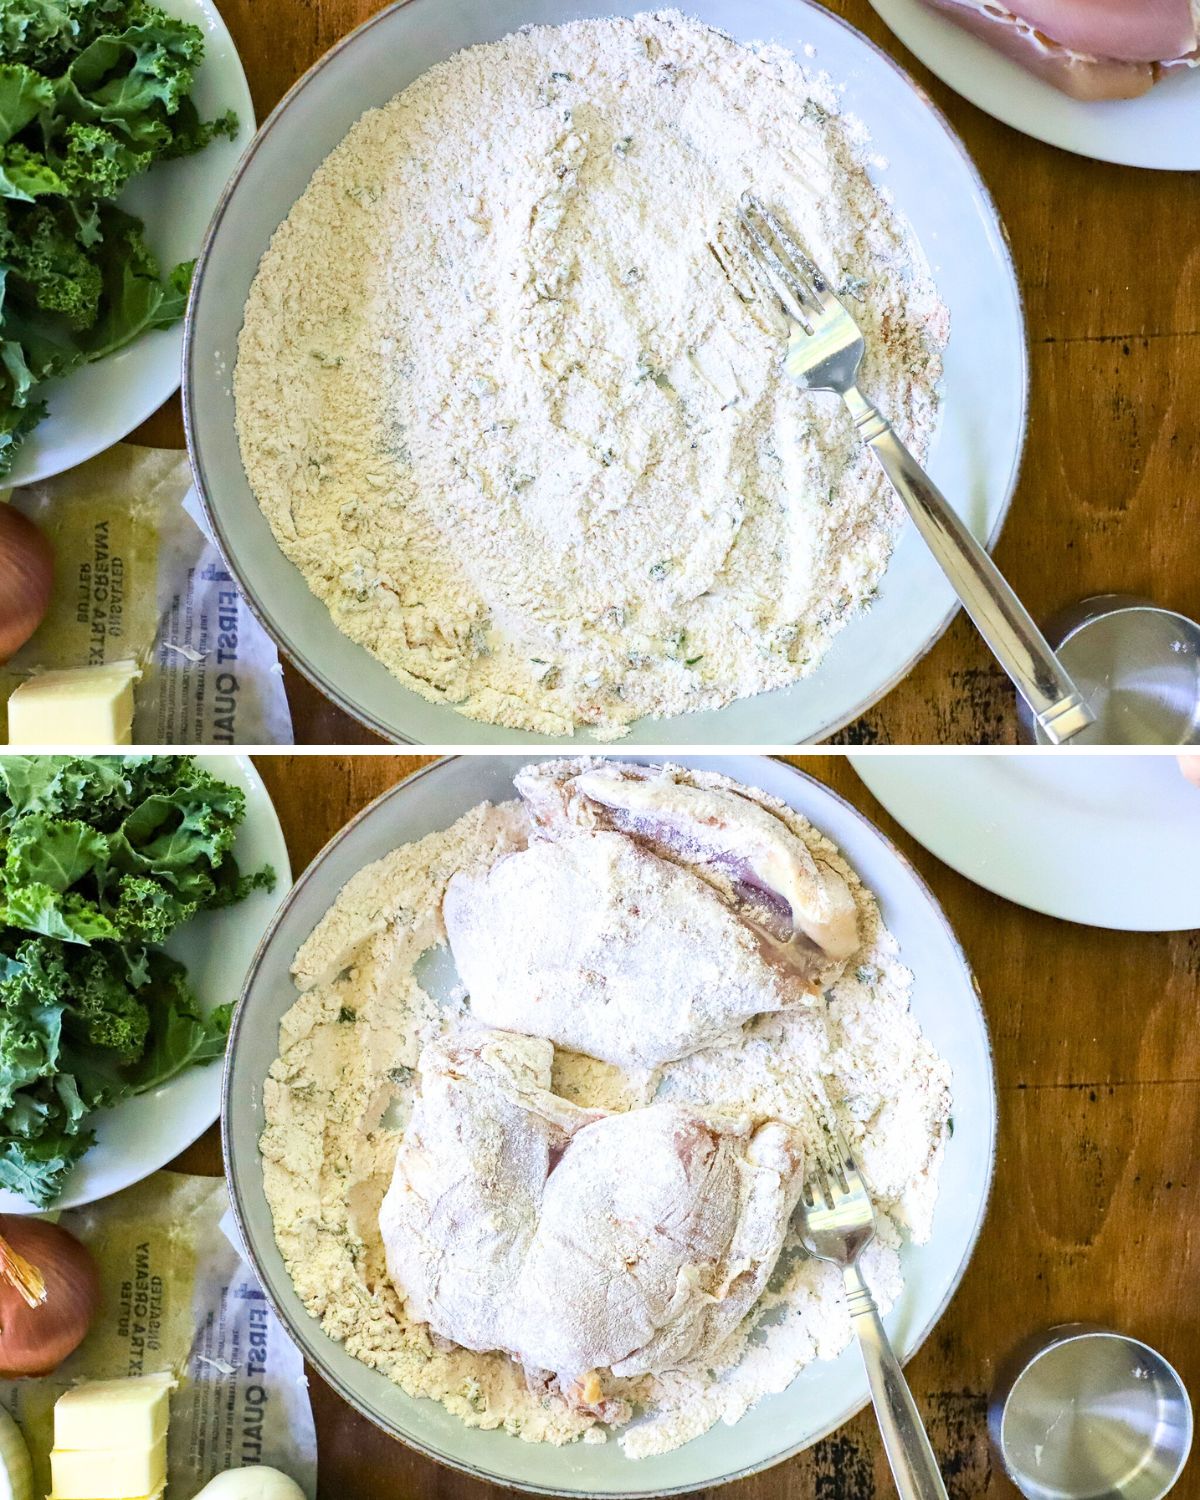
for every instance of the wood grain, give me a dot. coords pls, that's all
(1096, 1198)
(1109, 264)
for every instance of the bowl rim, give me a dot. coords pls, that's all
(308, 1336)
(293, 651)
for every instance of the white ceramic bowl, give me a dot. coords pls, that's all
(142, 1134)
(975, 455)
(824, 1395)
(96, 406)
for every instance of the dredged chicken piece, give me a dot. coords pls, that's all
(466, 1191)
(604, 948)
(659, 1231)
(629, 1243)
(801, 904)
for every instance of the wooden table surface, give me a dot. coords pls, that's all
(1096, 1201)
(1109, 263)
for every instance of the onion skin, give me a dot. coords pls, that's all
(26, 579)
(36, 1340)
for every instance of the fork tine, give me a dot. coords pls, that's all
(848, 1166)
(747, 284)
(785, 256)
(797, 260)
(766, 262)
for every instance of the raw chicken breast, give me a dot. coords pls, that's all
(1089, 49)
(605, 949)
(1144, 31)
(576, 1243)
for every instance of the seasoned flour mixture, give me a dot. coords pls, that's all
(377, 983)
(516, 424)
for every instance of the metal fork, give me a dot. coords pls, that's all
(824, 350)
(837, 1224)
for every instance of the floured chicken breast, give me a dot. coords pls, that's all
(574, 1242)
(575, 939)
(597, 944)
(467, 1186)
(659, 1231)
(717, 833)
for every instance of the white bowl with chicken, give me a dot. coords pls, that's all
(1115, 81)
(615, 953)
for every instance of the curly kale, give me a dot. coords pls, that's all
(97, 163)
(102, 859)
(92, 94)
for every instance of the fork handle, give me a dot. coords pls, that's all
(914, 1467)
(1000, 617)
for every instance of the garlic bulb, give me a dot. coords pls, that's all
(256, 1483)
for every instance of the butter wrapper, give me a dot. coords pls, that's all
(136, 577)
(176, 1295)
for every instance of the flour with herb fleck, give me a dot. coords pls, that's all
(339, 1095)
(520, 430)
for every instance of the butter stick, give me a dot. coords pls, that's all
(80, 706)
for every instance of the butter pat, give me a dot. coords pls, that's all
(82, 706)
(108, 1473)
(100, 1414)
(157, 1495)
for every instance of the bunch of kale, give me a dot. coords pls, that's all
(101, 859)
(92, 92)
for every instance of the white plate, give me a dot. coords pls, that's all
(142, 1134)
(1110, 840)
(1158, 130)
(96, 406)
(975, 455)
(825, 1394)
